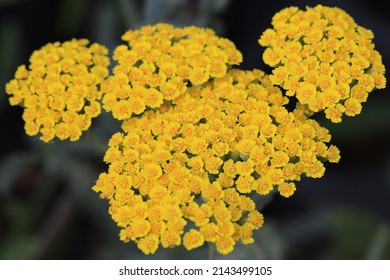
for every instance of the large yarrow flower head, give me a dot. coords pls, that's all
(324, 59)
(60, 88)
(189, 172)
(158, 64)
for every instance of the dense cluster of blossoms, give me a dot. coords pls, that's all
(190, 168)
(202, 140)
(159, 63)
(324, 59)
(60, 89)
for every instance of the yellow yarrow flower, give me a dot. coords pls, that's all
(160, 62)
(59, 90)
(193, 239)
(204, 157)
(327, 54)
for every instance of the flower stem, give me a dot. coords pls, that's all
(211, 250)
(96, 141)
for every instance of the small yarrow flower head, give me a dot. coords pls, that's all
(187, 173)
(59, 90)
(159, 62)
(324, 59)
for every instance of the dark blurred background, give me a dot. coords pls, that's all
(48, 211)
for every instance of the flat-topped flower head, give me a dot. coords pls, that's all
(59, 90)
(203, 157)
(160, 62)
(323, 58)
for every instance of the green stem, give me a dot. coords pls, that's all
(96, 141)
(211, 250)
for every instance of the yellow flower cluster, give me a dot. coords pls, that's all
(158, 64)
(324, 59)
(185, 174)
(202, 140)
(60, 90)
